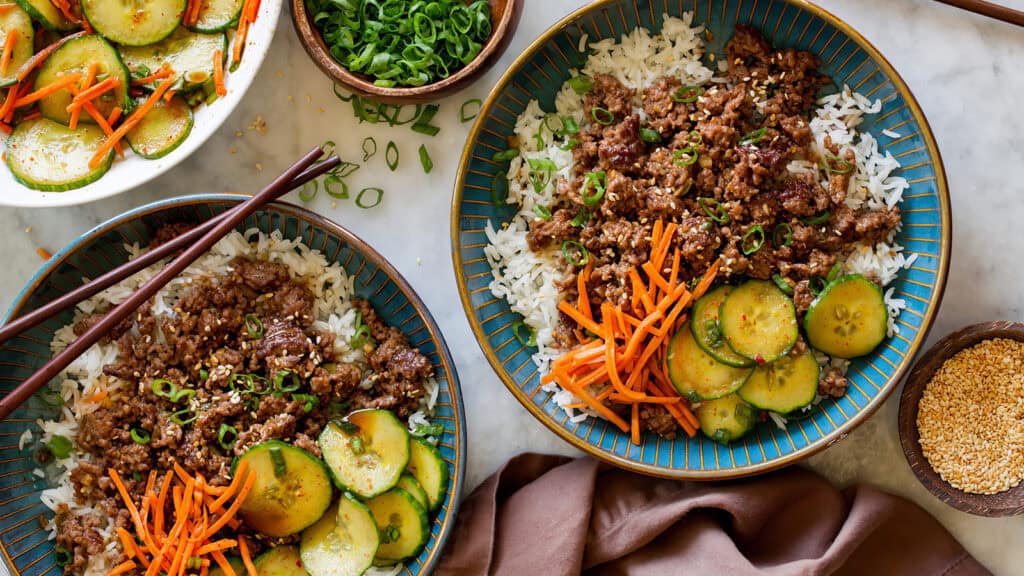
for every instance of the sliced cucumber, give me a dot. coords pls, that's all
(759, 321)
(430, 470)
(217, 15)
(16, 21)
(162, 130)
(849, 318)
(46, 155)
(343, 543)
(726, 419)
(785, 385)
(367, 453)
(74, 57)
(292, 489)
(189, 54)
(44, 12)
(708, 332)
(236, 564)
(698, 376)
(402, 524)
(280, 561)
(412, 486)
(134, 22)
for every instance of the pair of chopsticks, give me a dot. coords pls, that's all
(1004, 13)
(194, 243)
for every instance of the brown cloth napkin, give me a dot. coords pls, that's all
(550, 515)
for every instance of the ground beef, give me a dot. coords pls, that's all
(833, 384)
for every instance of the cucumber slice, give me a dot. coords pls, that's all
(280, 561)
(236, 564)
(217, 15)
(343, 543)
(134, 22)
(75, 56)
(726, 419)
(189, 54)
(708, 332)
(367, 453)
(16, 21)
(162, 130)
(785, 385)
(292, 489)
(430, 470)
(44, 12)
(759, 321)
(46, 155)
(412, 486)
(402, 524)
(849, 318)
(698, 376)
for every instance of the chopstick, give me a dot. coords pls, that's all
(223, 226)
(41, 314)
(1004, 13)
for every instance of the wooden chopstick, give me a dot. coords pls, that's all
(125, 309)
(44, 312)
(1004, 13)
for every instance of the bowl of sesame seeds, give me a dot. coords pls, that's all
(961, 419)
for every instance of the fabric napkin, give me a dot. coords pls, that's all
(550, 515)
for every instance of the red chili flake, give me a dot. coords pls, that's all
(759, 359)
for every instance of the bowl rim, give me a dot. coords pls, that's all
(942, 192)
(312, 41)
(237, 90)
(361, 246)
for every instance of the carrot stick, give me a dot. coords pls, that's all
(42, 55)
(122, 568)
(59, 84)
(239, 41)
(232, 488)
(580, 319)
(170, 94)
(160, 74)
(233, 508)
(583, 302)
(115, 115)
(634, 429)
(597, 406)
(645, 399)
(613, 372)
(243, 549)
(645, 326)
(101, 122)
(222, 561)
(129, 123)
(94, 92)
(218, 73)
(8, 51)
(223, 544)
(674, 275)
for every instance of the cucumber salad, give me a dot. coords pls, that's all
(83, 81)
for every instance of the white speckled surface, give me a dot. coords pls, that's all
(966, 71)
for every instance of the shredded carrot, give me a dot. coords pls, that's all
(240, 34)
(634, 424)
(170, 94)
(61, 83)
(43, 253)
(65, 8)
(90, 77)
(90, 108)
(8, 51)
(223, 563)
(94, 92)
(163, 72)
(122, 568)
(129, 123)
(115, 115)
(243, 549)
(5, 8)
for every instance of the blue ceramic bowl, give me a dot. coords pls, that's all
(23, 541)
(846, 57)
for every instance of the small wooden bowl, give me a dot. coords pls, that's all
(504, 19)
(1008, 503)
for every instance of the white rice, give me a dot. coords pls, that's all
(527, 279)
(331, 286)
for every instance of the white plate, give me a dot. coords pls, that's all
(132, 171)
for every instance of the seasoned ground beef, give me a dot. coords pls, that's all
(255, 320)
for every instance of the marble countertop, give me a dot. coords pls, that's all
(966, 71)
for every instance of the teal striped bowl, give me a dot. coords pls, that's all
(23, 540)
(848, 58)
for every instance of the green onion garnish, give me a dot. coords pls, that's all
(542, 211)
(836, 165)
(343, 97)
(226, 436)
(182, 394)
(835, 271)
(687, 94)
(505, 155)
(695, 138)
(556, 129)
(335, 187)
(527, 339)
(369, 148)
(569, 144)
(164, 388)
(602, 116)
(183, 417)
(598, 181)
(140, 436)
(423, 125)
(292, 385)
(345, 169)
(59, 446)
(470, 109)
(753, 240)
(356, 444)
(782, 284)
(194, 563)
(425, 160)
(376, 201)
(391, 155)
(580, 219)
(816, 285)
(714, 209)
(782, 235)
(309, 401)
(328, 147)
(309, 190)
(650, 135)
(362, 335)
(581, 84)
(540, 180)
(253, 326)
(569, 126)
(577, 257)
(499, 187)
(686, 156)
(277, 461)
(424, 430)
(819, 219)
(541, 164)
(62, 556)
(753, 137)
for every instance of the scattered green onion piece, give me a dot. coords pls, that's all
(505, 155)
(581, 84)
(782, 284)
(598, 181)
(425, 160)
(180, 419)
(695, 138)
(753, 137)
(369, 147)
(328, 147)
(376, 201)
(687, 94)
(580, 258)
(540, 164)
(423, 125)
(424, 430)
(331, 184)
(59, 446)
(164, 388)
(569, 144)
(753, 240)
(194, 563)
(467, 115)
(714, 209)
(556, 129)
(819, 219)
(686, 156)
(580, 219)
(602, 116)
(816, 285)
(140, 436)
(203, 374)
(529, 339)
(569, 126)
(293, 384)
(782, 235)
(356, 445)
(650, 135)
(540, 180)
(343, 97)
(829, 162)
(309, 401)
(542, 211)
(499, 187)
(253, 326)
(62, 556)
(361, 336)
(538, 138)
(51, 398)
(181, 394)
(226, 436)
(309, 190)
(278, 461)
(391, 155)
(345, 169)
(835, 271)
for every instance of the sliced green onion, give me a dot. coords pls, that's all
(328, 147)
(579, 257)
(376, 201)
(540, 180)
(830, 162)
(753, 240)
(602, 116)
(542, 211)
(505, 155)
(687, 94)
(164, 388)
(194, 563)
(424, 430)
(203, 374)
(140, 436)
(556, 129)
(569, 126)
(309, 190)
(816, 285)
(226, 436)
(538, 138)
(598, 181)
(685, 157)
(343, 97)
(569, 144)
(753, 137)
(541, 164)
(423, 125)
(819, 219)
(253, 326)
(345, 169)
(714, 209)
(331, 186)
(782, 284)
(650, 135)
(361, 337)
(782, 235)
(369, 147)
(835, 271)
(467, 112)
(499, 187)
(695, 138)
(62, 556)
(425, 160)
(183, 417)
(59, 446)
(309, 401)
(293, 384)
(356, 445)
(581, 84)
(391, 155)
(527, 339)
(580, 219)
(278, 461)
(182, 394)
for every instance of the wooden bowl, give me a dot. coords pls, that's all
(1008, 503)
(504, 19)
